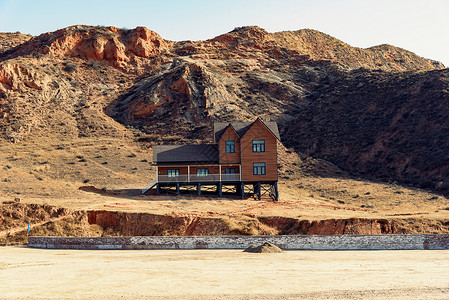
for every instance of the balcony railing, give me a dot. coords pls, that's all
(196, 178)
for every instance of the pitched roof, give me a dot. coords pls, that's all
(242, 127)
(185, 153)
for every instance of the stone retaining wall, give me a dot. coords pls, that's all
(286, 242)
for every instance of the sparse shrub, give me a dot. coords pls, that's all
(94, 64)
(70, 67)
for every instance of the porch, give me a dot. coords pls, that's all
(199, 173)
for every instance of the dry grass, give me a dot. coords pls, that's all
(50, 172)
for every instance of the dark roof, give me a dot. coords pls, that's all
(185, 153)
(242, 127)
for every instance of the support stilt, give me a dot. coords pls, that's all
(257, 191)
(276, 192)
(238, 189)
(177, 189)
(199, 189)
(243, 190)
(220, 190)
(158, 192)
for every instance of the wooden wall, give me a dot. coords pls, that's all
(212, 169)
(258, 131)
(229, 135)
(182, 170)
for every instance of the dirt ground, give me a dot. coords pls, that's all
(107, 173)
(53, 171)
(229, 274)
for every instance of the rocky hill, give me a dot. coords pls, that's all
(378, 112)
(379, 125)
(10, 40)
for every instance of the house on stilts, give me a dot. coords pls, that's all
(242, 161)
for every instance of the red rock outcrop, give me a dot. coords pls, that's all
(15, 77)
(331, 226)
(112, 45)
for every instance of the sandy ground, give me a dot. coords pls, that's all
(218, 274)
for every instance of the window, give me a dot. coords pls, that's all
(202, 172)
(259, 169)
(230, 171)
(258, 145)
(230, 147)
(173, 173)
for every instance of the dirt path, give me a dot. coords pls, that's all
(228, 274)
(16, 230)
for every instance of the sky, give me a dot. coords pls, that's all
(420, 26)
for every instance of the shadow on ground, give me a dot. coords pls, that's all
(151, 195)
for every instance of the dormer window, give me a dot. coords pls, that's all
(258, 145)
(230, 147)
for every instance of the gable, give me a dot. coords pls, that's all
(229, 132)
(242, 127)
(261, 125)
(258, 130)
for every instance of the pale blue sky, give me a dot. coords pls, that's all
(421, 26)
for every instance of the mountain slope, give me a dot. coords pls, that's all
(376, 112)
(384, 126)
(383, 57)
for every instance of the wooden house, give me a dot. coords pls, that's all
(243, 160)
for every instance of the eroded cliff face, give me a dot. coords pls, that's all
(130, 224)
(49, 220)
(117, 47)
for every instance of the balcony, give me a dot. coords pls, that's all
(184, 178)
